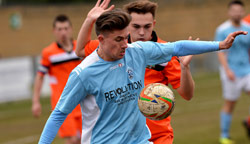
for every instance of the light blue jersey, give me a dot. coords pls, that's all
(108, 93)
(237, 55)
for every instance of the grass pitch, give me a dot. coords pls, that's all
(194, 122)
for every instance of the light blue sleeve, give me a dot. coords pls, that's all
(187, 47)
(74, 92)
(155, 53)
(162, 52)
(52, 126)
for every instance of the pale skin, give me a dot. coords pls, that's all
(84, 35)
(63, 35)
(235, 13)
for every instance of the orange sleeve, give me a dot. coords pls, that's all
(247, 19)
(44, 62)
(173, 72)
(90, 47)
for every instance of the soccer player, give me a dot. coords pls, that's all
(58, 60)
(141, 29)
(107, 83)
(235, 66)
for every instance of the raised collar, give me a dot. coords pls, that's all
(154, 37)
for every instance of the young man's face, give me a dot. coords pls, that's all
(62, 31)
(236, 13)
(141, 26)
(113, 44)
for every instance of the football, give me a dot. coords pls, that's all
(156, 101)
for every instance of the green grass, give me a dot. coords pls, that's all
(194, 122)
(17, 125)
(197, 121)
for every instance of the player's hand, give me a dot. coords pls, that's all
(99, 8)
(230, 75)
(228, 42)
(185, 60)
(36, 109)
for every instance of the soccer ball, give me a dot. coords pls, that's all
(156, 101)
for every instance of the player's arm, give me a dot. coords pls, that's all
(155, 53)
(186, 89)
(223, 61)
(73, 93)
(38, 82)
(183, 48)
(187, 84)
(222, 57)
(84, 35)
(52, 126)
(36, 106)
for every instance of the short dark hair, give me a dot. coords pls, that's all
(236, 2)
(109, 21)
(141, 7)
(61, 18)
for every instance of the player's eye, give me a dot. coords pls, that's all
(147, 26)
(136, 26)
(118, 39)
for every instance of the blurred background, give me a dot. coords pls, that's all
(26, 28)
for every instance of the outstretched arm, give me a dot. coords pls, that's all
(228, 42)
(186, 89)
(84, 35)
(183, 48)
(187, 84)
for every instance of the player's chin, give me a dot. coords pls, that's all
(122, 55)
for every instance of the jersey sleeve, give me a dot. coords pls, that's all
(173, 72)
(45, 63)
(90, 47)
(155, 53)
(74, 92)
(188, 47)
(162, 52)
(52, 126)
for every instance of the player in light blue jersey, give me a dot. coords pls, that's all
(108, 82)
(235, 65)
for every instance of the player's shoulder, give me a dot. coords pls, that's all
(83, 67)
(50, 48)
(139, 44)
(134, 45)
(245, 25)
(224, 26)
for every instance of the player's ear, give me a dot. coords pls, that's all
(100, 37)
(154, 22)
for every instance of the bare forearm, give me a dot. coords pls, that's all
(84, 36)
(186, 89)
(37, 88)
(223, 60)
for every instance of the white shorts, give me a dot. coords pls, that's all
(232, 89)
